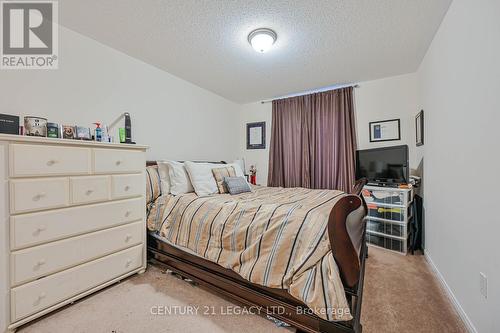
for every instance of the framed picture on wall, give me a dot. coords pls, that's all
(419, 128)
(256, 135)
(385, 130)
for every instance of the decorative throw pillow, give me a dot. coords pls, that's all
(237, 169)
(219, 174)
(153, 187)
(237, 185)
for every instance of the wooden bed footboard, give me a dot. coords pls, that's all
(351, 263)
(292, 311)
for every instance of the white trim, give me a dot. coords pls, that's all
(456, 304)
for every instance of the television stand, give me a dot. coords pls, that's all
(389, 215)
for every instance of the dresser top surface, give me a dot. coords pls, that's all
(68, 142)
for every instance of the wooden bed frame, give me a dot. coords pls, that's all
(290, 310)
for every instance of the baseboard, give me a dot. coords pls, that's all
(467, 322)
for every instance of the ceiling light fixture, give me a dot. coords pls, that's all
(262, 39)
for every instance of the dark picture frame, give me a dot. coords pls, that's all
(419, 128)
(378, 134)
(256, 135)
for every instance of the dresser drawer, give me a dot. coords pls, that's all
(118, 161)
(125, 186)
(89, 189)
(38, 160)
(36, 194)
(36, 228)
(39, 261)
(40, 294)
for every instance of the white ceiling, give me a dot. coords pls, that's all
(320, 42)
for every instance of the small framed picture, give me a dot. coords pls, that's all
(385, 130)
(68, 132)
(83, 133)
(256, 135)
(419, 128)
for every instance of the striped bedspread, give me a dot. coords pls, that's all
(274, 237)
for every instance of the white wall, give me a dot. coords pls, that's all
(394, 97)
(96, 83)
(249, 113)
(459, 85)
(390, 98)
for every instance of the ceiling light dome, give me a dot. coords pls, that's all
(262, 39)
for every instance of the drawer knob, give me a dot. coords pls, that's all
(40, 263)
(40, 229)
(118, 162)
(89, 192)
(127, 188)
(40, 297)
(128, 237)
(129, 262)
(51, 162)
(38, 196)
(127, 213)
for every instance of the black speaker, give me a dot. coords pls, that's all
(128, 128)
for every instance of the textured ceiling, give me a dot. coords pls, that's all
(320, 43)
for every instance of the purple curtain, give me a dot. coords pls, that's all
(313, 141)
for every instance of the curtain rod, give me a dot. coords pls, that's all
(311, 92)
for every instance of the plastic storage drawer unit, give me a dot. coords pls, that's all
(389, 214)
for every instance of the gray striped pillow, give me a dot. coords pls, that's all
(237, 185)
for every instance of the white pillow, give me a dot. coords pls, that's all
(237, 169)
(202, 177)
(241, 164)
(164, 177)
(179, 178)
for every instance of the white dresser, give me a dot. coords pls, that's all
(72, 221)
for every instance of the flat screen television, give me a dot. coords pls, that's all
(383, 166)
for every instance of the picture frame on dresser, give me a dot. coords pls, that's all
(68, 132)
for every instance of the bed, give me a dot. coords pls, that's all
(296, 254)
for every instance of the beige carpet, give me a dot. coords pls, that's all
(401, 295)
